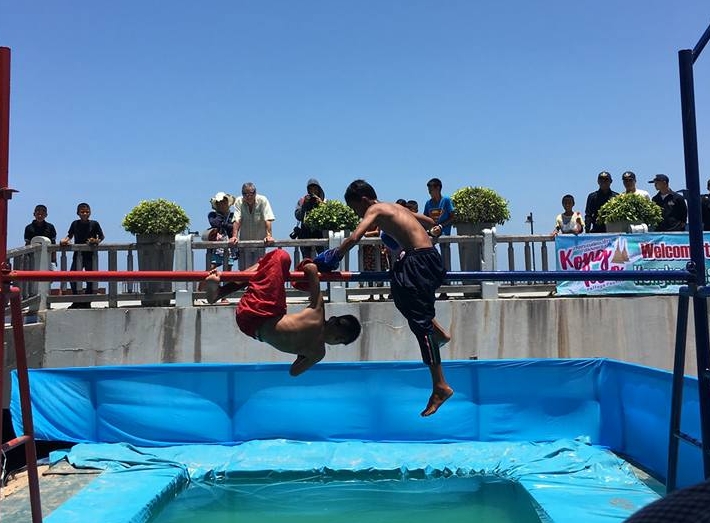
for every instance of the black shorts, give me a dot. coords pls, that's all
(415, 277)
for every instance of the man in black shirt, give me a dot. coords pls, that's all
(675, 211)
(705, 208)
(594, 202)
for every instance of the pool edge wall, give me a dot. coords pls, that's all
(622, 406)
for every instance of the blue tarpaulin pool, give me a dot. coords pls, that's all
(549, 424)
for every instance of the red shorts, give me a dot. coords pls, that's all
(265, 297)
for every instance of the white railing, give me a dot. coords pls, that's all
(484, 252)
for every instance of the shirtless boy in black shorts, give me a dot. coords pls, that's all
(416, 275)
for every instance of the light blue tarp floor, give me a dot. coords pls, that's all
(570, 479)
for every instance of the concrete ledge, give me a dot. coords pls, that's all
(633, 329)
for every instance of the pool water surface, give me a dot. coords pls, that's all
(453, 499)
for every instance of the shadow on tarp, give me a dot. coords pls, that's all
(605, 403)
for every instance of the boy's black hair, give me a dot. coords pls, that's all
(82, 205)
(350, 326)
(41, 207)
(357, 189)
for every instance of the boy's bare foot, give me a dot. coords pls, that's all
(437, 398)
(212, 286)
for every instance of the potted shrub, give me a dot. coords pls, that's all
(155, 224)
(476, 209)
(331, 215)
(628, 209)
(479, 205)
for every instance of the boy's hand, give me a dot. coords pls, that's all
(301, 267)
(329, 260)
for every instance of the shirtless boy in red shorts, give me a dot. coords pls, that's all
(261, 312)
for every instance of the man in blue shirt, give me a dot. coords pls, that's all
(440, 208)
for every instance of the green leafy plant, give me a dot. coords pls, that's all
(630, 207)
(480, 205)
(331, 215)
(156, 217)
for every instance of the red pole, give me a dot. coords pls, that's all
(4, 147)
(26, 405)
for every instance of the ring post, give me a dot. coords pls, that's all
(336, 290)
(182, 261)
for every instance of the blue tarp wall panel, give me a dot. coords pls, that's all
(623, 406)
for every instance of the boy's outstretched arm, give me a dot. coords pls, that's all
(311, 271)
(302, 364)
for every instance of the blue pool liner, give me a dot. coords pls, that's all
(321, 414)
(569, 479)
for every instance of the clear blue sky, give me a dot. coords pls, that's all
(115, 102)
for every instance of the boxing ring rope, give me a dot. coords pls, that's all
(687, 276)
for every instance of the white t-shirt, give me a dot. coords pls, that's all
(568, 224)
(643, 193)
(253, 223)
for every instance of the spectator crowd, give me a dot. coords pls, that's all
(672, 204)
(250, 217)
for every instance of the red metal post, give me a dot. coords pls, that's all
(25, 404)
(5, 192)
(26, 439)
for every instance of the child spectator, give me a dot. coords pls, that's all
(41, 227)
(221, 220)
(569, 221)
(83, 231)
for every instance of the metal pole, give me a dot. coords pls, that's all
(697, 256)
(677, 391)
(532, 232)
(5, 192)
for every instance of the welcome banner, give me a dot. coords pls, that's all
(620, 252)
